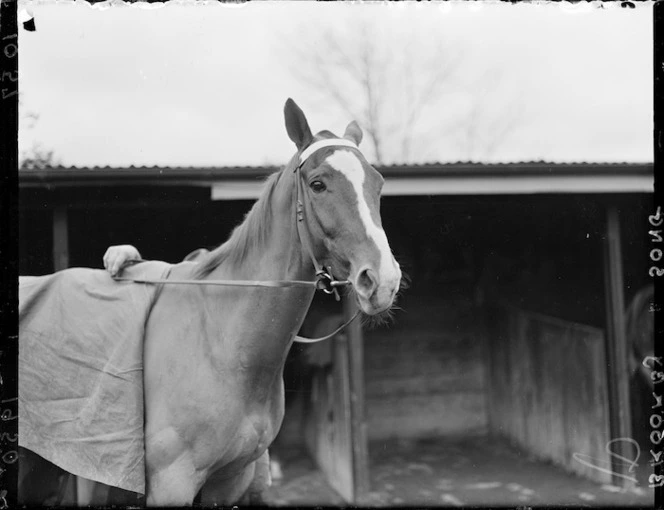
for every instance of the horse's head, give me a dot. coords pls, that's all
(342, 210)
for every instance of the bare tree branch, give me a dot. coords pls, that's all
(37, 157)
(393, 86)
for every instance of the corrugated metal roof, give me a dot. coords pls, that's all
(155, 175)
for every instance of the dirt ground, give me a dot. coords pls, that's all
(471, 471)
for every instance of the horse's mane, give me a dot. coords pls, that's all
(249, 234)
(252, 232)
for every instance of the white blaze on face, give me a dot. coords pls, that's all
(350, 166)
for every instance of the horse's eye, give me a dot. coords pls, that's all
(318, 186)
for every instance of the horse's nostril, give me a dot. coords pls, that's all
(366, 281)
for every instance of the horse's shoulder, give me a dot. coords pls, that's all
(183, 270)
(151, 269)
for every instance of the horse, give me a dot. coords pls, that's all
(640, 335)
(213, 355)
(640, 332)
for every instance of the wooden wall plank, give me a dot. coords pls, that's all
(552, 397)
(60, 238)
(426, 415)
(429, 365)
(359, 437)
(335, 431)
(616, 343)
(325, 435)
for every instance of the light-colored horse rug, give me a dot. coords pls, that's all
(81, 371)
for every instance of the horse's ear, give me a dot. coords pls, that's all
(297, 125)
(353, 133)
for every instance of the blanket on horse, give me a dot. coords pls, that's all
(81, 371)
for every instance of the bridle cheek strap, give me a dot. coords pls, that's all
(301, 231)
(324, 279)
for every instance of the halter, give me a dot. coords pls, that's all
(324, 280)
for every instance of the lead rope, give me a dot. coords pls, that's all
(303, 340)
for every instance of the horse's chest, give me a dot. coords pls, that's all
(249, 441)
(241, 430)
(227, 416)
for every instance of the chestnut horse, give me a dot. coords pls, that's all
(214, 356)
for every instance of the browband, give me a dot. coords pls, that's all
(321, 144)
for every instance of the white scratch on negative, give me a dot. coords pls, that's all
(452, 500)
(484, 485)
(611, 488)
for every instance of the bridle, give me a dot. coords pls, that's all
(323, 280)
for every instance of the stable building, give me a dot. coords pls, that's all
(513, 323)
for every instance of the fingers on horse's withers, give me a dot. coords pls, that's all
(111, 262)
(111, 265)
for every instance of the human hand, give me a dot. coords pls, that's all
(117, 256)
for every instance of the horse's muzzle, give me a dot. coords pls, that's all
(376, 293)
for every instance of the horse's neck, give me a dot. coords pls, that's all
(279, 255)
(268, 318)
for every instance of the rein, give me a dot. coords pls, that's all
(324, 280)
(227, 283)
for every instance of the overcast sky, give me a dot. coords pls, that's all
(187, 85)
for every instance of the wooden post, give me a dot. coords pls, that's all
(60, 262)
(358, 422)
(617, 350)
(80, 491)
(22, 243)
(60, 238)
(84, 491)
